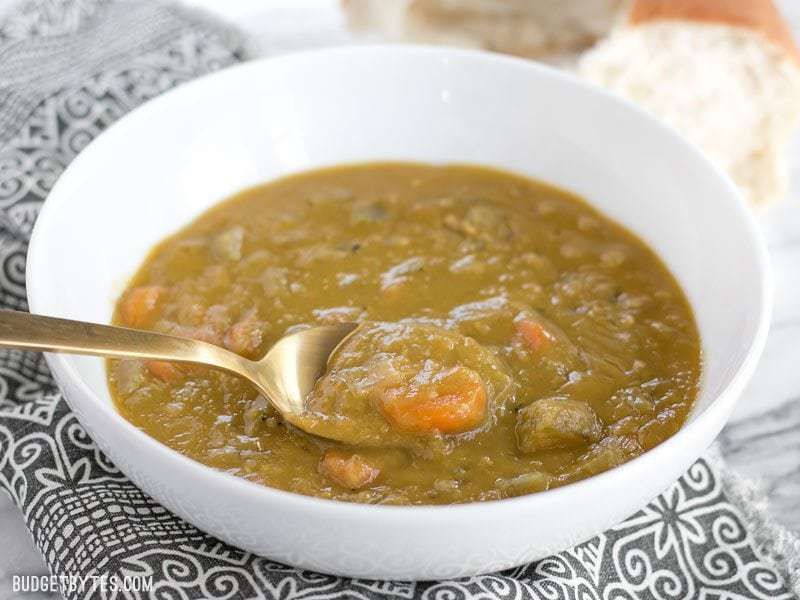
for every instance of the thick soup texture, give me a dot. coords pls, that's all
(512, 339)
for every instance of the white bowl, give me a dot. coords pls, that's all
(169, 160)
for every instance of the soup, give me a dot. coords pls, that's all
(512, 339)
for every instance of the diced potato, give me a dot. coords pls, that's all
(552, 423)
(139, 306)
(454, 402)
(347, 470)
(165, 371)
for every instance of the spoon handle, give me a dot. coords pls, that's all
(49, 334)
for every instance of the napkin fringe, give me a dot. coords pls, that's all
(776, 544)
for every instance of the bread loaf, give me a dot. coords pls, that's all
(531, 28)
(724, 73)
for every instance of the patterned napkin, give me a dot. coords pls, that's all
(68, 68)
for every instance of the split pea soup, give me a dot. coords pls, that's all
(512, 338)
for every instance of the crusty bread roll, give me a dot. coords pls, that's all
(531, 28)
(725, 73)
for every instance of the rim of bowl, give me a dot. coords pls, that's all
(233, 484)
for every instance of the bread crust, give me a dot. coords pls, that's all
(761, 16)
(528, 28)
(503, 30)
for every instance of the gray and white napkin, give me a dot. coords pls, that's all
(68, 69)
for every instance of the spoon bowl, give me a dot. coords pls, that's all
(288, 371)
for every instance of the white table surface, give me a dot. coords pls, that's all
(762, 439)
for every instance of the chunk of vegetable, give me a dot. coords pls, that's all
(255, 414)
(347, 470)
(245, 336)
(165, 371)
(128, 376)
(140, 304)
(481, 220)
(610, 452)
(527, 483)
(534, 334)
(552, 423)
(228, 244)
(452, 402)
(661, 426)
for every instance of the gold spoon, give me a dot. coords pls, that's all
(285, 375)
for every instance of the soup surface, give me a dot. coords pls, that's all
(512, 340)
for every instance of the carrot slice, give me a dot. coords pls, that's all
(453, 403)
(348, 470)
(140, 303)
(165, 371)
(534, 335)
